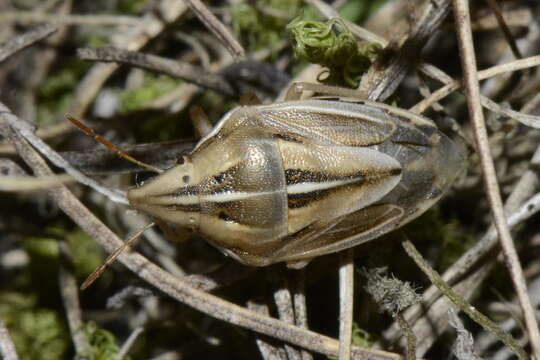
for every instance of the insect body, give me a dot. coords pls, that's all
(295, 180)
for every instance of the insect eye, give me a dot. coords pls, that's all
(185, 179)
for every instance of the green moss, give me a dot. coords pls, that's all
(42, 247)
(41, 273)
(56, 91)
(86, 253)
(44, 258)
(358, 11)
(452, 240)
(95, 41)
(101, 344)
(38, 333)
(260, 24)
(331, 44)
(153, 86)
(360, 338)
(131, 7)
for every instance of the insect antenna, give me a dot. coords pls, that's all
(112, 257)
(88, 131)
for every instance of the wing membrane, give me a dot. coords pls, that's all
(342, 233)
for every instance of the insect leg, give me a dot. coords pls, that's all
(88, 131)
(294, 92)
(172, 234)
(112, 257)
(249, 98)
(200, 121)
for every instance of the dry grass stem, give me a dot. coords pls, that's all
(27, 183)
(28, 39)
(468, 60)
(461, 303)
(151, 26)
(27, 130)
(29, 17)
(384, 76)
(504, 27)
(285, 309)
(217, 28)
(454, 85)
(346, 302)
(70, 298)
(158, 64)
(7, 348)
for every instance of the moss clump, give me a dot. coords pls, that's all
(38, 333)
(152, 87)
(101, 344)
(85, 252)
(331, 44)
(260, 24)
(360, 338)
(450, 238)
(131, 7)
(56, 91)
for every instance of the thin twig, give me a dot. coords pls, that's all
(177, 69)
(504, 27)
(219, 30)
(268, 350)
(7, 348)
(485, 341)
(25, 40)
(409, 335)
(385, 75)
(434, 321)
(526, 119)
(128, 344)
(463, 305)
(284, 305)
(180, 289)
(151, 25)
(69, 292)
(464, 264)
(28, 17)
(300, 308)
(30, 183)
(424, 322)
(346, 302)
(468, 60)
(482, 75)
(27, 130)
(100, 161)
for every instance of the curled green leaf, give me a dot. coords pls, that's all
(331, 44)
